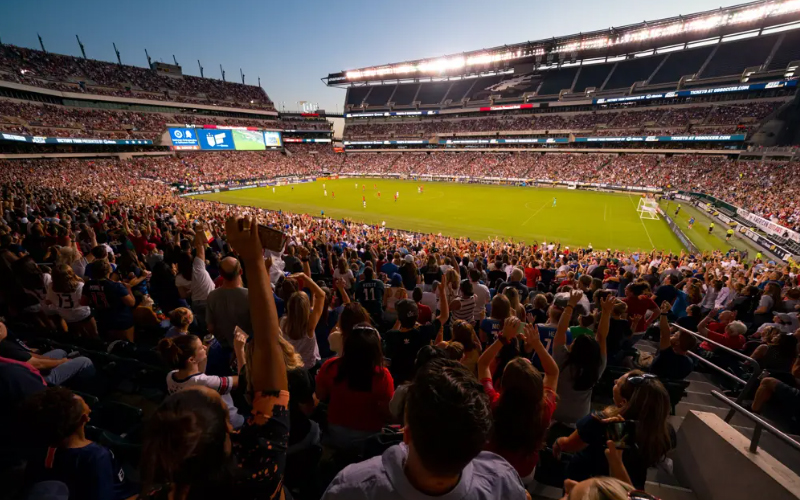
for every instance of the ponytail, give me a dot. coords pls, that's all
(177, 351)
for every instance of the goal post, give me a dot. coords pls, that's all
(648, 213)
(646, 204)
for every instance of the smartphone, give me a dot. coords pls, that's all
(623, 434)
(271, 239)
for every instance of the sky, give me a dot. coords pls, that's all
(290, 45)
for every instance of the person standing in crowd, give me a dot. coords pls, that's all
(188, 445)
(227, 307)
(441, 449)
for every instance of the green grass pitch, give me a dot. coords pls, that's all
(606, 220)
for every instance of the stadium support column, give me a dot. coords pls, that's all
(83, 50)
(201, 68)
(149, 61)
(41, 43)
(119, 59)
(222, 71)
(608, 77)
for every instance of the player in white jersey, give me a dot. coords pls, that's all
(323, 186)
(356, 185)
(273, 189)
(365, 203)
(326, 192)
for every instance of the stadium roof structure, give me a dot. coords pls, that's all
(648, 35)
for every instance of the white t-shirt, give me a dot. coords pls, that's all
(68, 305)
(222, 385)
(482, 297)
(201, 284)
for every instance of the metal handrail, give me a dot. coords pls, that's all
(761, 424)
(749, 385)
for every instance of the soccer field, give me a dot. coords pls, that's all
(606, 220)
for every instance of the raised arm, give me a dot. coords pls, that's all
(549, 365)
(702, 327)
(563, 323)
(444, 307)
(509, 333)
(268, 370)
(606, 306)
(316, 305)
(663, 325)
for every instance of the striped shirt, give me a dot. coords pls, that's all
(467, 310)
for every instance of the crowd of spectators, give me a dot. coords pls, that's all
(487, 356)
(40, 68)
(65, 121)
(677, 120)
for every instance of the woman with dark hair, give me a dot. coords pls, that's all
(580, 364)
(187, 356)
(189, 451)
(132, 271)
(525, 399)
(57, 421)
(430, 273)
(340, 271)
(537, 306)
(778, 352)
(64, 294)
(641, 400)
(163, 288)
(352, 314)
(332, 308)
(357, 387)
(112, 303)
(493, 325)
(463, 307)
(408, 271)
(770, 303)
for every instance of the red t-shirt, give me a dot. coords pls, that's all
(532, 275)
(425, 314)
(639, 305)
(363, 411)
(731, 341)
(523, 461)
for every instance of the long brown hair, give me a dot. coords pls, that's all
(648, 404)
(177, 351)
(464, 332)
(298, 309)
(519, 423)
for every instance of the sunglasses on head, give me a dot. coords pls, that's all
(638, 380)
(364, 328)
(641, 495)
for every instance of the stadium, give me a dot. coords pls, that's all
(560, 268)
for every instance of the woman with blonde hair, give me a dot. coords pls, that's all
(302, 317)
(64, 293)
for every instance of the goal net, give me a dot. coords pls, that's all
(648, 208)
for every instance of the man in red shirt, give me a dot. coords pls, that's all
(639, 305)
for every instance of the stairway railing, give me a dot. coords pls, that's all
(760, 424)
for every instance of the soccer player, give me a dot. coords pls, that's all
(396, 195)
(419, 190)
(379, 194)
(333, 194)
(678, 209)
(554, 202)
(323, 186)
(273, 189)
(729, 234)
(365, 203)
(711, 228)
(374, 186)
(363, 188)
(691, 222)
(326, 192)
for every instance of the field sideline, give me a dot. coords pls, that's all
(606, 220)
